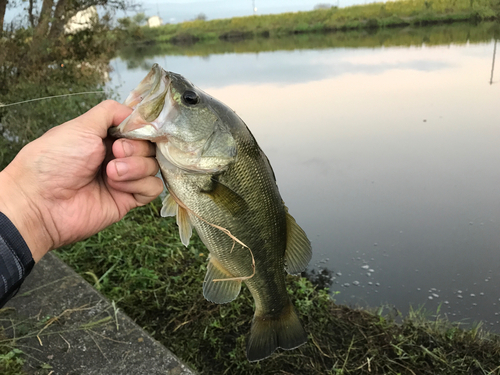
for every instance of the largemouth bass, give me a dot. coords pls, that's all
(221, 183)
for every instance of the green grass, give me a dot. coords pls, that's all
(11, 357)
(369, 16)
(141, 264)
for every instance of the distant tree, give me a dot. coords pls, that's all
(139, 19)
(322, 6)
(54, 14)
(201, 17)
(132, 25)
(31, 16)
(3, 7)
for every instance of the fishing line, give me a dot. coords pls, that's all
(52, 97)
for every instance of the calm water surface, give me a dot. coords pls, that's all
(389, 158)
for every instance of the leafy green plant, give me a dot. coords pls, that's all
(11, 360)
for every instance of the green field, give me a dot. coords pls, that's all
(370, 16)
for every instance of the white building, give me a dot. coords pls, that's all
(155, 21)
(81, 21)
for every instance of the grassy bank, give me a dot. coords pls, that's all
(141, 263)
(370, 16)
(458, 33)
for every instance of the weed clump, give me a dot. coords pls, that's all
(11, 359)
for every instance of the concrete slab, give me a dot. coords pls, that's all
(67, 327)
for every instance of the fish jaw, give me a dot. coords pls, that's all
(152, 105)
(135, 127)
(146, 87)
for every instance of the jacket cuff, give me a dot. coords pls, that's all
(16, 261)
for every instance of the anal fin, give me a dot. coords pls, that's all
(222, 291)
(298, 251)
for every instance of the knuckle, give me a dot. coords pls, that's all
(151, 166)
(108, 103)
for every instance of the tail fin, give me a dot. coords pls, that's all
(269, 333)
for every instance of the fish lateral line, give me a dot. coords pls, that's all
(224, 230)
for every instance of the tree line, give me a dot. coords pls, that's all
(48, 17)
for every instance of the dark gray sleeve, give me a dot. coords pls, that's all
(16, 261)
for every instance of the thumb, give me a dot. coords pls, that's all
(104, 115)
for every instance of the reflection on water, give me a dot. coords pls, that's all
(387, 157)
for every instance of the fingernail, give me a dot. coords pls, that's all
(121, 168)
(127, 148)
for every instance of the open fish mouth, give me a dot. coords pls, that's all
(149, 87)
(149, 100)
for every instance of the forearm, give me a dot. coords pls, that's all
(22, 237)
(23, 213)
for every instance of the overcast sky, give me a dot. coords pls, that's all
(181, 10)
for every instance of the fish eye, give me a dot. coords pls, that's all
(190, 98)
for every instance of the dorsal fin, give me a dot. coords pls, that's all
(298, 251)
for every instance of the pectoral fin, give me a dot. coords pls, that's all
(185, 225)
(169, 207)
(298, 251)
(219, 291)
(226, 198)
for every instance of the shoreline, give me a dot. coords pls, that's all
(368, 18)
(435, 35)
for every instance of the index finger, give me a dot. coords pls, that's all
(104, 115)
(123, 148)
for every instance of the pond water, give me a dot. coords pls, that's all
(388, 157)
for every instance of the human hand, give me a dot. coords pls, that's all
(64, 187)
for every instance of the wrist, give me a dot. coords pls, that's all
(17, 205)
